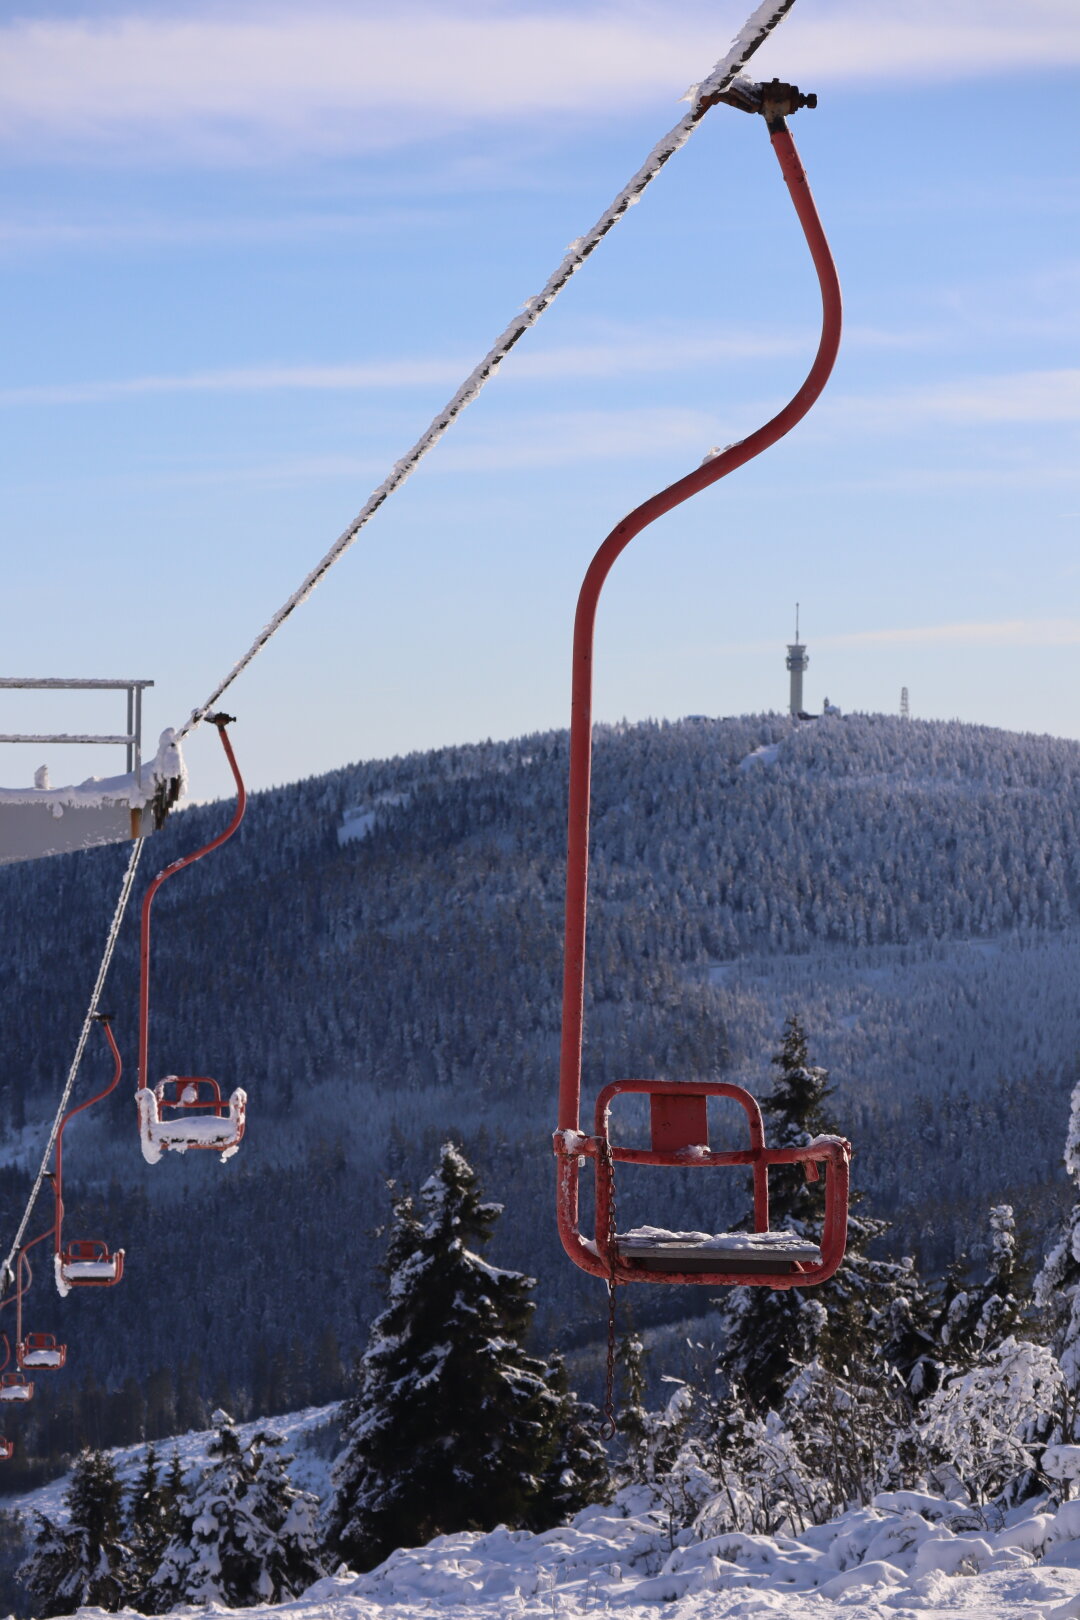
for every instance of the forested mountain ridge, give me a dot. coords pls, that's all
(376, 957)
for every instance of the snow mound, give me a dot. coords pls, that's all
(906, 1555)
(360, 820)
(767, 754)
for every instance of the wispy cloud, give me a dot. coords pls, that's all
(243, 84)
(1009, 397)
(622, 355)
(999, 633)
(29, 235)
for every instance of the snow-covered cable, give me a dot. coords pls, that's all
(7, 1270)
(752, 34)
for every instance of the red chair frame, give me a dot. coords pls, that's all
(676, 1104)
(680, 1137)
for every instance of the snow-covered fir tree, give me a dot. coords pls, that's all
(82, 1563)
(870, 1307)
(632, 1416)
(766, 1331)
(1057, 1286)
(148, 1524)
(455, 1426)
(578, 1472)
(982, 1302)
(245, 1535)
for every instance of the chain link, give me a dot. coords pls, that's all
(610, 1428)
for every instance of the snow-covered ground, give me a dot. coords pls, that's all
(907, 1556)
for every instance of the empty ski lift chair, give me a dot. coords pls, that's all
(45, 820)
(186, 1111)
(40, 1351)
(15, 1387)
(84, 1262)
(88, 1263)
(7, 1449)
(679, 1125)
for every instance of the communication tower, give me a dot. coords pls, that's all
(797, 662)
(905, 707)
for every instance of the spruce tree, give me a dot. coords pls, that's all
(454, 1425)
(767, 1332)
(83, 1563)
(632, 1416)
(245, 1534)
(981, 1304)
(870, 1311)
(1057, 1286)
(578, 1472)
(148, 1531)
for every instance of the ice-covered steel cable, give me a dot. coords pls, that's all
(7, 1275)
(753, 33)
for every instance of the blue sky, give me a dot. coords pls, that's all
(247, 251)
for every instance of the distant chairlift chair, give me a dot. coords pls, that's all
(84, 1262)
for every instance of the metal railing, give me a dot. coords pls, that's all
(131, 739)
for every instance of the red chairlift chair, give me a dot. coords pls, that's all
(84, 1262)
(7, 1449)
(39, 1351)
(679, 1111)
(186, 1111)
(15, 1387)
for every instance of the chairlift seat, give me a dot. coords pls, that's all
(41, 1350)
(14, 1387)
(752, 1253)
(679, 1138)
(183, 1112)
(7, 1449)
(88, 1263)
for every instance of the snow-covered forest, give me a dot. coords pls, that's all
(376, 958)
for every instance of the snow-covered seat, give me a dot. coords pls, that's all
(40, 1350)
(679, 1137)
(189, 1112)
(87, 1263)
(775, 1253)
(7, 1449)
(14, 1387)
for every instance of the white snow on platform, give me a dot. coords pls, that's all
(133, 789)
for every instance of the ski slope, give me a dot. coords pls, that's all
(908, 1555)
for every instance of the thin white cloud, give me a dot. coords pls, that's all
(999, 633)
(25, 236)
(236, 84)
(1009, 397)
(622, 356)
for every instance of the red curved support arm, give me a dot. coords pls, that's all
(58, 1173)
(577, 859)
(148, 900)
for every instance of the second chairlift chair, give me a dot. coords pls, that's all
(186, 1111)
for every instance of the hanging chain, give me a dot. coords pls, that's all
(610, 1428)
